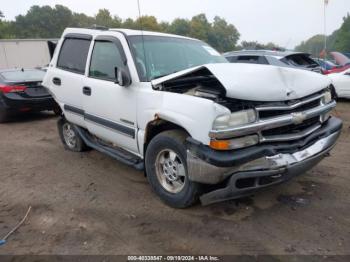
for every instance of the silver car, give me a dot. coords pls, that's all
(278, 58)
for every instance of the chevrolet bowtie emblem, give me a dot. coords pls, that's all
(298, 118)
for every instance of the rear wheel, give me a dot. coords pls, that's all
(166, 169)
(70, 137)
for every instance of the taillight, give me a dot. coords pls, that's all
(12, 89)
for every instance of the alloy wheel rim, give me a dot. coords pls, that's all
(170, 170)
(69, 135)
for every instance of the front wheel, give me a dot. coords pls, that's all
(166, 170)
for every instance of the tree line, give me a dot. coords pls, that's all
(49, 22)
(339, 40)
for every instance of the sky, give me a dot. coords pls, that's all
(284, 22)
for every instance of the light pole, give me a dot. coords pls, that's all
(325, 3)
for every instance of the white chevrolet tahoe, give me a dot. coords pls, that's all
(200, 127)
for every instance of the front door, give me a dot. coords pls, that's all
(110, 109)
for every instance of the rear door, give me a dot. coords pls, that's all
(66, 79)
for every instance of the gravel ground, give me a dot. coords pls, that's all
(87, 203)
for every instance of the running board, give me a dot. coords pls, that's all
(118, 154)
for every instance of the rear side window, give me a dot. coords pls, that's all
(232, 59)
(248, 59)
(300, 60)
(73, 55)
(106, 56)
(252, 60)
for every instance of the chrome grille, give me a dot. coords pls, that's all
(293, 131)
(274, 113)
(283, 121)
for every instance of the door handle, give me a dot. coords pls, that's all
(56, 81)
(87, 91)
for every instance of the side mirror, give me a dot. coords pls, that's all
(122, 78)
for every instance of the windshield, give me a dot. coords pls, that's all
(167, 55)
(23, 75)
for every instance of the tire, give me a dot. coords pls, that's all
(173, 187)
(57, 110)
(69, 136)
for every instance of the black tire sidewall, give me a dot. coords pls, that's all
(57, 110)
(188, 195)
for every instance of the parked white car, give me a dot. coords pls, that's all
(199, 126)
(341, 83)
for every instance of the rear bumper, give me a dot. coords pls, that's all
(16, 103)
(245, 171)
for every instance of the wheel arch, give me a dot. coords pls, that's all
(157, 126)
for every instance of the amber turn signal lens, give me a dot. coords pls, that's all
(234, 143)
(220, 144)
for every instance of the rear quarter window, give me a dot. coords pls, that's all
(73, 55)
(300, 60)
(232, 59)
(248, 59)
(252, 59)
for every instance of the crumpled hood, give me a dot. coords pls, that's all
(260, 82)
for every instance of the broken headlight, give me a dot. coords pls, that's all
(327, 97)
(235, 119)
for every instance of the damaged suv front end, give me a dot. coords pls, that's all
(249, 126)
(272, 144)
(282, 131)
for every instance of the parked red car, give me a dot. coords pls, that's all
(337, 69)
(343, 62)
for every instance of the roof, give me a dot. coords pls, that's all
(263, 53)
(128, 32)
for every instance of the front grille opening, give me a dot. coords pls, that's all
(245, 182)
(273, 113)
(292, 129)
(261, 181)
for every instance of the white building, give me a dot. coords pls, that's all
(25, 53)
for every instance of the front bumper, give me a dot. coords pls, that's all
(247, 170)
